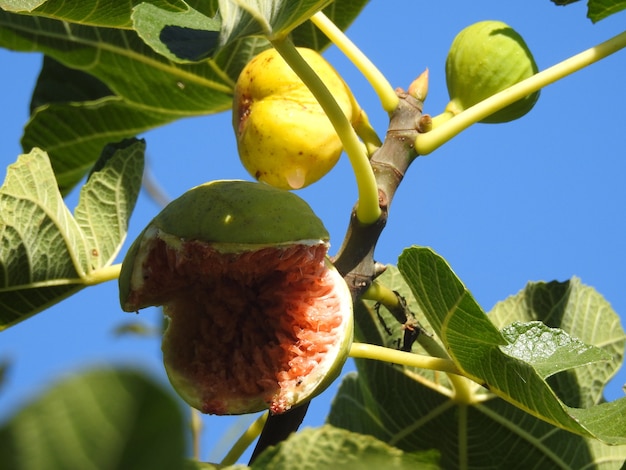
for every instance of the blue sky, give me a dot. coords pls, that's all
(540, 198)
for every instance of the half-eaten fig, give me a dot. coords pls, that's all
(258, 316)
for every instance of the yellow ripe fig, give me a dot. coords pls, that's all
(485, 58)
(284, 137)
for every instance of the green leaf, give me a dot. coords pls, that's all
(60, 84)
(98, 419)
(600, 9)
(577, 309)
(415, 409)
(179, 36)
(74, 134)
(149, 89)
(43, 253)
(194, 43)
(46, 254)
(108, 198)
(20, 5)
(329, 447)
(475, 345)
(397, 408)
(269, 18)
(115, 13)
(122, 61)
(549, 350)
(191, 36)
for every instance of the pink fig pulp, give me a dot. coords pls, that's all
(251, 326)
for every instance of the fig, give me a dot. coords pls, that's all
(485, 58)
(258, 317)
(284, 137)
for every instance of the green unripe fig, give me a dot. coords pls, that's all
(284, 137)
(258, 316)
(485, 58)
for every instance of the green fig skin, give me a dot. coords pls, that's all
(258, 316)
(485, 58)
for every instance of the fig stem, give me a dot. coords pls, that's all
(196, 430)
(426, 143)
(397, 306)
(386, 93)
(366, 132)
(368, 209)
(394, 356)
(100, 275)
(460, 383)
(244, 441)
(382, 294)
(441, 118)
